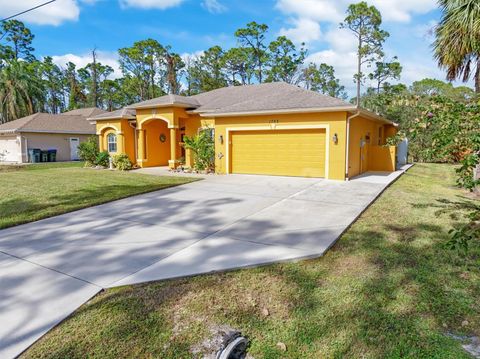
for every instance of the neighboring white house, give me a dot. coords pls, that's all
(63, 132)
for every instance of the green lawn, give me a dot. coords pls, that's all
(32, 192)
(387, 289)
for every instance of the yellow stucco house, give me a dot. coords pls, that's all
(271, 128)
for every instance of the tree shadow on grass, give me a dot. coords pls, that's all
(395, 310)
(17, 211)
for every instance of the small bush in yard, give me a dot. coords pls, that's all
(122, 162)
(102, 159)
(463, 237)
(203, 148)
(88, 151)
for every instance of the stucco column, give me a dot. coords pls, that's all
(101, 142)
(172, 163)
(141, 147)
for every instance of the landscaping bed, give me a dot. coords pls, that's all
(35, 191)
(389, 288)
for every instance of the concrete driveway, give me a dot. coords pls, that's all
(50, 267)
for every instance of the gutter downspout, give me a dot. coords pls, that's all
(356, 114)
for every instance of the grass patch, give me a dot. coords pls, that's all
(32, 192)
(387, 289)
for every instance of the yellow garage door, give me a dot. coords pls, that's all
(279, 152)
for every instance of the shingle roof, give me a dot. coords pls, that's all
(248, 98)
(263, 97)
(122, 113)
(167, 100)
(86, 112)
(54, 123)
(274, 97)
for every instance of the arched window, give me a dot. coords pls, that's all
(112, 142)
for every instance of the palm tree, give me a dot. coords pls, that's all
(457, 44)
(20, 90)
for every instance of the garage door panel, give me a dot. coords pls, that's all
(9, 149)
(279, 152)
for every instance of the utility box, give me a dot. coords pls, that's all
(402, 153)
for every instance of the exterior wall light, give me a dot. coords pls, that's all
(335, 138)
(220, 138)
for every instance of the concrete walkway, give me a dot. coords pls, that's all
(50, 267)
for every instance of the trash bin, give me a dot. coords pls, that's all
(44, 156)
(34, 155)
(52, 155)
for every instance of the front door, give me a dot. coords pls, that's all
(74, 142)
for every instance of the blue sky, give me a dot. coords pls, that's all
(69, 29)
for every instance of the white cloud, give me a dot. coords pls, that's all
(51, 14)
(317, 10)
(344, 64)
(341, 40)
(303, 30)
(334, 10)
(214, 6)
(187, 56)
(82, 60)
(402, 10)
(339, 45)
(151, 4)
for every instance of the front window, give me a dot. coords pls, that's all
(112, 142)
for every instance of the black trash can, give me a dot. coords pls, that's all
(44, 156)
(34, 155)
(52, 155)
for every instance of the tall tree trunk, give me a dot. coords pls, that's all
(94, 79)
(359, 71)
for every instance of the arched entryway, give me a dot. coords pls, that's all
(157, 142)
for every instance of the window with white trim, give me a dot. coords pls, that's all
(112, 142)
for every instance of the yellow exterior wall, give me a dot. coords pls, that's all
(175, 122)
(157, 152)
(373, 156)
(128, 140)
(125, 136)
(390, 131)
(336, 121)
(382, 158)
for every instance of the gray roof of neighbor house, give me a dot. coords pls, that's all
(86, 112)
(69, 122)
(273, 97)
